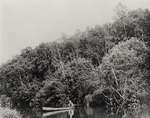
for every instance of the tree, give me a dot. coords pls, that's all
(123, 70)
(79, 79)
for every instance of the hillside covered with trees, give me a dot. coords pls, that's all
(108, 63)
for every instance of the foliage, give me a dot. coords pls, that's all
(79, 79)
(130, 24)
(51, 94)
(8, 113)
(123, 70)
(106, 62)
(5, 101)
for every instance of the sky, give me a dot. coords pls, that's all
(25, 23)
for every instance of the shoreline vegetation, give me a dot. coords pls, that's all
(9, 113)
(106, 66)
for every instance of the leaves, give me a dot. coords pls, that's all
(99, 58)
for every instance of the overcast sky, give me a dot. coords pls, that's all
(30, 22)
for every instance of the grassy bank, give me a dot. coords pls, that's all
(9, 113)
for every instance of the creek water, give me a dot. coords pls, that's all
(78, 113)
(73, 113)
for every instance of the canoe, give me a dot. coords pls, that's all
(54, 112)
(56, 109)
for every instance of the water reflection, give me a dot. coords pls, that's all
(78, 113)
(71, 113)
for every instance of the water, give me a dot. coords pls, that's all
(77, 113)
(74, 113)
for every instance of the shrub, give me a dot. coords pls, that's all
(8, 113)
(79, 79)
(51, 94)
(122, 70)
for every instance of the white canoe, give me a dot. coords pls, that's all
(56, 109)
(54, 112)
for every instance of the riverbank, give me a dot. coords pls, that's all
(9, 113)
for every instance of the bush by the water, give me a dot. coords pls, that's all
(122, 71)
(9, 113)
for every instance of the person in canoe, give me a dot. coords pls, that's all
(70, 104)
(71, 111)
